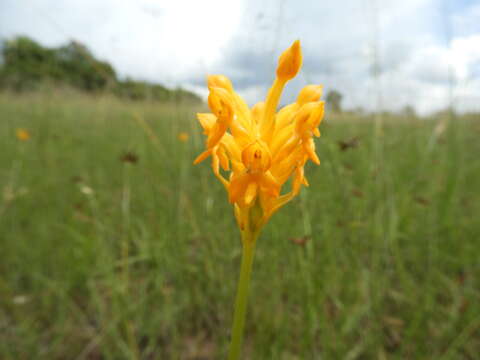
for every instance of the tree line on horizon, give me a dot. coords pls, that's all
(25, 65)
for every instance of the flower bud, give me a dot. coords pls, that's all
(257, 111)
(309, 93)
(220, 81)
(290, 62)
(221, 104)
(308, 118)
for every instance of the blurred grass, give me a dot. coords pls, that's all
(113, 246)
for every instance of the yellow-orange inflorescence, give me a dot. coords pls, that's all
(260, 149)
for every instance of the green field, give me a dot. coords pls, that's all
(114, 246)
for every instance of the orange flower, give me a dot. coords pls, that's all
(183, 136)
(260, 149)
(22, 134)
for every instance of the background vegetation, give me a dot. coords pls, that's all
(114, 246)
(29, 66)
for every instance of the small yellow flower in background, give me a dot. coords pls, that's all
(183, 136)
(22, 134)
(260, 149)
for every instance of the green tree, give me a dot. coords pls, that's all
(334, 101)
(80, 69)
(408, 111)
(26, 64)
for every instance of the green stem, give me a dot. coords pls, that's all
(248, 240)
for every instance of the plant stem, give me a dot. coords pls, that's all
(248, 239)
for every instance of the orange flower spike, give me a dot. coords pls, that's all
(261, 150)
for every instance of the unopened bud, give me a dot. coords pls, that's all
(290, 62)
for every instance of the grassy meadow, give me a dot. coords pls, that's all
(114, 246)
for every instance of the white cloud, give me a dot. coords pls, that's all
(156, 40)
(425, 77)
(178, 42)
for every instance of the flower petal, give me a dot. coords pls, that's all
(238, 186)
(250, 193)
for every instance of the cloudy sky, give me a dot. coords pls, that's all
(420, 46)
